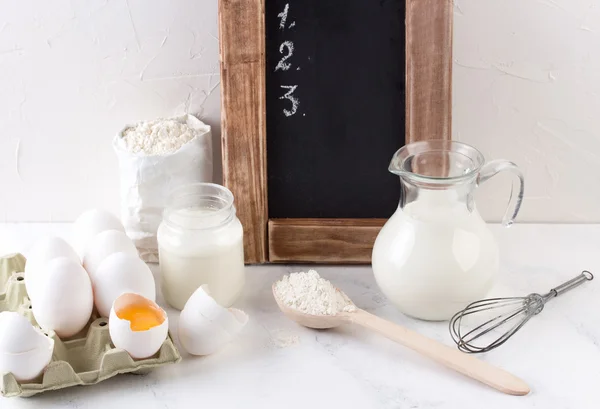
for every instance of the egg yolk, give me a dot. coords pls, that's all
(141, 317)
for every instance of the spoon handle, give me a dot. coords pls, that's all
(465, 364)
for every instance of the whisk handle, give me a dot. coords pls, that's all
(465, 364)
(572, 283)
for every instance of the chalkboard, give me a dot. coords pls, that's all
(335, 91)
(317, 95)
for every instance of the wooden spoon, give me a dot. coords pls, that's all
(465, 364)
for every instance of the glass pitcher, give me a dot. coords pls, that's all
(436, 254)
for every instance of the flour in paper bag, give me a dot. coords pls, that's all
(156, 157)
(158, 137)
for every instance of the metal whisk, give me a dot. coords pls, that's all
(504, 316)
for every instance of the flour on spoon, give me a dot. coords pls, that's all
(311, 294)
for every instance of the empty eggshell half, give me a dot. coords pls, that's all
(205, 326)
(139, 344)
(24, 350)
(199, 336)
(103, 245)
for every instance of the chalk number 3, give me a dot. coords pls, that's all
(291, 98)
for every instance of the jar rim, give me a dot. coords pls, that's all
(190, 196)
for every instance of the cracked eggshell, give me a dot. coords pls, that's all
(24, 350)
(103, 245)
(64, 301)
(42, 252)
(205, 326)
(121, 273)
(139, 344)
(89, 224)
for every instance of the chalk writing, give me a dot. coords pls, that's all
(287, 49)
(282, 65)
(283, 15)
(291, 98)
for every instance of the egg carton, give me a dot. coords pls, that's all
(85, 359)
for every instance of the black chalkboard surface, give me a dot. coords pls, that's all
(316, 97)
(335, 101)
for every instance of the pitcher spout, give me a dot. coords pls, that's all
(395, 165)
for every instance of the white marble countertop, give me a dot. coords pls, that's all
(277, 364)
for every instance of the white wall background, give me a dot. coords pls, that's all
(527, 88)
(72, 73)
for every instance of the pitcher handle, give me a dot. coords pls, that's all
(494, 167)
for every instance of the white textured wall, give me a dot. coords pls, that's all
(526, 88)
(72, 73)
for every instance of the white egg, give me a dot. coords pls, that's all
(103, 245)
(205, 326)
(139, 344)
(64, 301)
(89, 224)
(121, 273)
(41, 253)
(24, 350)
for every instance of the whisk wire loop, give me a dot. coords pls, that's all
(517, 311)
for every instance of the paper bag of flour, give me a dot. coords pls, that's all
(154, 158)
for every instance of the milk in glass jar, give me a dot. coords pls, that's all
(200, 241)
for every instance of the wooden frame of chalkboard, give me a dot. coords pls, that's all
(244, 136)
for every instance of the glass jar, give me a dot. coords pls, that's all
(200, 241)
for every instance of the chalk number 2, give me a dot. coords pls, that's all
(282, 65)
